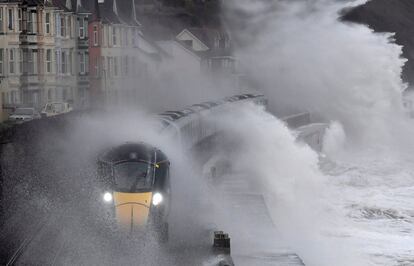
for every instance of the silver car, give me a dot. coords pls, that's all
(25, 114)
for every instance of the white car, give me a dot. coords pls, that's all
(24, 114)
(52, 109)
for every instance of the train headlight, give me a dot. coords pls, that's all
(107, 197)
(156, 199)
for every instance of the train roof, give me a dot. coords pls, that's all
(187, 111)
(133, 152)
(172, 115)
(169, 117)
(201, 105)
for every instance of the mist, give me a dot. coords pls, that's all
(329, 208)
(305, 59)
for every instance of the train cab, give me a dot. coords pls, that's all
(135, 187)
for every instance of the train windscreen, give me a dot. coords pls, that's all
(133, 176)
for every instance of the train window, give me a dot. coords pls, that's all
(177, 114)
(242, 97)
(187, 111)
(133, 176)
(172, 116)
(201, 106)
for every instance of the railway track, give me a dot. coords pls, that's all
(24, 252)
(14, 232)
(26, 241)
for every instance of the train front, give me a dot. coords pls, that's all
(136, 187)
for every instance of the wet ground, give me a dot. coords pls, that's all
(54, 217)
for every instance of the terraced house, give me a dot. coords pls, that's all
(41, 44)
(93, 52)
(122, 60)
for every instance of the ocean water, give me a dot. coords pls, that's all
(353, 204)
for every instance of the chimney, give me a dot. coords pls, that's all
(115, 8)
(69, 4)
(78, 5)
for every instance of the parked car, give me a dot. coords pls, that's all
(24, 114)
(57, 108)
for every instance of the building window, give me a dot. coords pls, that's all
(21, 61)
(70, 55)
(1, 62)
(133, 63)
(69, 27)
(47, 20)
(1, 19)
(82, 63)
(125, 36)
(49, 95)
(133, 37)
(63, 26)
(64, 63)
(86, 27)
(57, 61)
(20, 17)
(14, 97)
(11, 61)
(30, 62)
(81, 28)
(86, 62)
(226, 43)
(56, 24)
(10, 22)
(30, 22)
(125, 64)
(109, 68)
(48, 60)
(113, 36)
(95, 35)
(115, 66)
(216, 42)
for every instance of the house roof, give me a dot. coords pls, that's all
(203, 43)
(123, 15)
(93, 7)
(208, 37)
(107, 13)
(161, 22)
(84, 6)
(126, 12)
(61, 4)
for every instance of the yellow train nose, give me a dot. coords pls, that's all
(132, 209)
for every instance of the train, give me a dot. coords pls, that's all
(195, 123)
(135, 187)
(135, 176)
